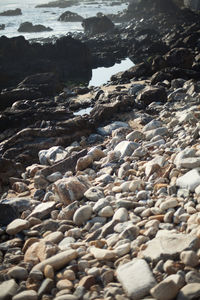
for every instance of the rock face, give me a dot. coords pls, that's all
(69, 16)
(14, 12)
(68, 58)
(95, 25)
(192, 4)
(29, 27)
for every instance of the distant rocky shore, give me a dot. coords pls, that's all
(103, 205)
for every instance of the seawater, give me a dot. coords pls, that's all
(49, 16)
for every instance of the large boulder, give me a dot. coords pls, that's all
(29, 27)
(98, 24)
(67, 58)
(12, 12)
(69, 16)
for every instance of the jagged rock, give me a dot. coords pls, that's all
(29, 27)
(12, 12)
(69, 16)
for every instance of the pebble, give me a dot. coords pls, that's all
(16, 226)
(82, 214)
(8, 289)
(31, 295)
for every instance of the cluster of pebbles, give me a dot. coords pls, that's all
(113, 216)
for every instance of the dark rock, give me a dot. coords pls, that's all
(59, 3)
(67, 58)
(179, 57)
(98, 24)
(151, 94)
(7, 214)
(14, 12)
(29, 27)
(69, 16)
(2, 26)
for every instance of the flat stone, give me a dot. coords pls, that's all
(168, 245)
(190, 180)
(57, 261)
(42, 210)
(82, 214)
(8, 289)
(189, 291)
(126, 148)
(16, 226)
(102, 254)
(190, 163)
(26, 295)
(136, 278)
(20, 204)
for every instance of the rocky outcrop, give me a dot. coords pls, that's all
(59, 3)
(2, 26)
(29, 27)
(67, 58)
(192, 4)
(69, 16)
(14, 12)
(98, 24)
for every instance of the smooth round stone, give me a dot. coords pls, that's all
(121, 215)
(168, 204)
(26, 295)
(8, 289)
(101, 203)
(96, 153)
(142, 195)
(192, 277)
(67, 297)
(189, 291)
(18, 273)
(165, 290)
(189, 258)
(49, 272)
(106, 212)
(94, 194)
(82, 215)
(54, 176)
(69, 274)
(64, 284)
(16, 226)
(54, 237)
(122, 249)
(102, 254)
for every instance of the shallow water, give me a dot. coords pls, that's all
(48, 16)
(102, 75)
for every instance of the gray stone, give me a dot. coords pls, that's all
(82, 214)
(126, 148)
(66, 242)
(189, 291)
(190, 180)
(8, 289)
(42, 210)
(162, 131)
(121, 214)
(101, 203)
(152, 125)
(54, 176)
(107, 130)
(135, 135)
(136, 278)
(190, 163)
(94, 194)
(20, 204)
(52, 155)
(26, 295)
(168, 245)
(18, 273)
(192, 277)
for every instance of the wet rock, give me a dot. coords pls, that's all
(95, 25)
(151, 94)
(7, 214)
(69, 16)
(29, 27)
(12, 12)
(136, 271)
